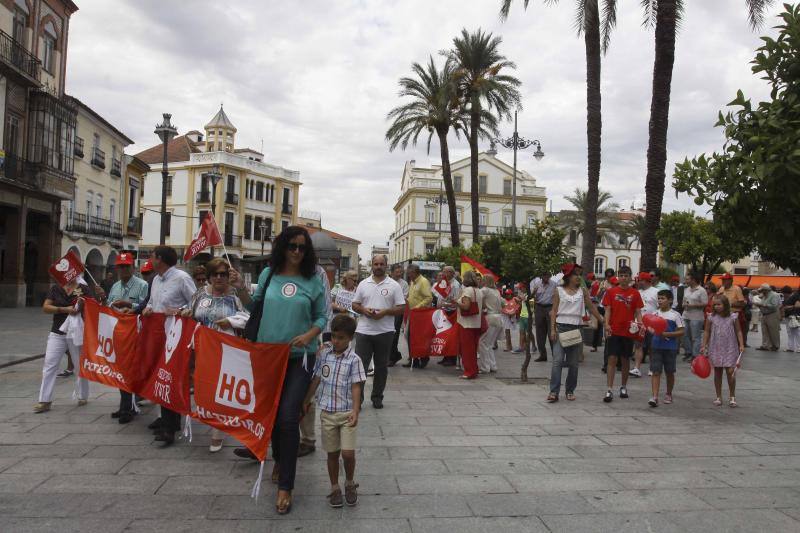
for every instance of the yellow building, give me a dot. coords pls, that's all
(251, 193)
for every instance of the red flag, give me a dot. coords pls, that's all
(207, 235)
(442, 288)
(67, 269)
(167, 383)
(434, 332)
(109, 354)
(471, 264)
(237, 386)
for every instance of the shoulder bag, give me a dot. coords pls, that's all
(570, 337)
(253, 323)
(473, 306)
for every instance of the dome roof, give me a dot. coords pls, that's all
(221, 120)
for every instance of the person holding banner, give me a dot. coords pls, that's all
(294, 313)
(448, 291)
(172, 291)
(419, 296)
(469, 318)
(62, 302)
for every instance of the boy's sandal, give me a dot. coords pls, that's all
(552, 397)
(718, 402)
(570, 396)
(732, 403)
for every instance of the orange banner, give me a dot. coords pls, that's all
(168, 382)
(432, 332)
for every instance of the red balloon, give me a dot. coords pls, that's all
(701, 367)
(655, 322)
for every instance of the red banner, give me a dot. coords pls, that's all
(109, 353)
(237, 386)
(207, 235)
(67, 269)
(433, 332)
(167, 383)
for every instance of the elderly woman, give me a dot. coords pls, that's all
(343, 299)
(217, 305)
(469, 305)
(294, 313)
(200, 276)
(492, 304)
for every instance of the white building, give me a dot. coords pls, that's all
(422, 221)
(612, 249)
(250, 194)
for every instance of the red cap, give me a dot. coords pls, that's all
(614, 280)
(727, 275)
(125, 258)
(590, 275)
(675, 278)
(645, 276)
(568, 268)
(147, 266)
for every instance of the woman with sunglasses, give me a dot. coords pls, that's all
(294, 312)
(217, 305)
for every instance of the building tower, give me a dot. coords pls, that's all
(220, 133)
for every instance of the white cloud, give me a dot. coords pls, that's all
(314, 81)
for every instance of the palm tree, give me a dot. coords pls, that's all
(483, 88)
(607, 217)
(666, 16)
(635, 230)
(434, 108)
(589, 23)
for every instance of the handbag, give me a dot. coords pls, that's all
(253, 323)
(570, 337)
(473, 307)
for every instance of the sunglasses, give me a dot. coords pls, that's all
(294, 247)
(220, 274)
(199, 279)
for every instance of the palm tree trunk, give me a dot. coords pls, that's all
(475, 123)
(659, 122)
(455, 240)
(594, 123)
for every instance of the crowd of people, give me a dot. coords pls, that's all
(340, 337)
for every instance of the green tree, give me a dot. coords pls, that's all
(483, 85)
(607, 220)
(533, 250)
(665, 16)
(635, 230)
(596, 33)
(493, 252)
(451, 255)
(700, 243)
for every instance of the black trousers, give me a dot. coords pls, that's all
(286, 431)
(126, 402)
(541, 316)
(170, 420)
(375, 347)
(398, 325)
(598, 333)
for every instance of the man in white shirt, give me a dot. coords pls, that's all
(695, 299)
(649, 296)
(378, 299)
(542, 290)
(172, 290)
(397, 274)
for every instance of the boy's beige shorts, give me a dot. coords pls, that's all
(336, 434)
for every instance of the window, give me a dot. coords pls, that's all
(599, 239)
(228, 223)
(132, 202)
(112, 210)
(231, 184)
(201, 216)
(49, 37)
(89, 203)
(20, 23)
(169, 184)
(256, 229)
(623, 240)
(98, 206)
(284, 224)
(506, 219)
(204, 184)
(248, 226)
(482, 179)
(739, 270)
(573, 237)
(483, 218)
(430, 247)
(599, 265)
(96, 140)
(621, 262)
(13, 129)
(460, 215)
(430, 215)
(344, 263)
(260, 191)
(457, 183)
(272, 194)
(531, 219)
(507, 187)
(267, 228)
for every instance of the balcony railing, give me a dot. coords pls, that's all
(78, 150)
(116, 167)
(482, 230)
(286, 209)
(13, 53)
(231, 198)
(232, 240)
(98, 158)
(431, 226)
(81, 223)
(203, 197)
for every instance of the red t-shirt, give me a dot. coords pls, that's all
(623, 303)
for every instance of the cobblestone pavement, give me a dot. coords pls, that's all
(444, 455)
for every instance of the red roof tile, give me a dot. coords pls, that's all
(178, 150)
(333, 235)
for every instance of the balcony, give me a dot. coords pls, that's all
(204, 197)
(286, 209)
(18, 61)
(37, 176)
(231, 198)
(430, 226)
(232, 240)
(78, 150)
(482, 230)
(89, 225)
(116, 168)
(135, 225)
(98, 158)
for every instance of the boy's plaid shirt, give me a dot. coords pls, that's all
(337, 375)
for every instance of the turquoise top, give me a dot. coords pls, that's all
(292, 306)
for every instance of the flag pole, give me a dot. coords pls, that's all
(86, 269)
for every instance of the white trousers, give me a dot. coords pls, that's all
(794, 338)
(486, 359)
(57, 345)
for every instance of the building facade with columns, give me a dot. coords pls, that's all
(251, 193)
(422, 220)
(37, 133)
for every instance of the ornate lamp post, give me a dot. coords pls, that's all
(214, 176)
(166, 131)
(263, 228)
(515, 142)
(437, 201)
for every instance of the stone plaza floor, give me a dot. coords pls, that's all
(443, 455)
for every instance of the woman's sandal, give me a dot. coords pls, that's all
(570, 397)
(552, 398)
(718, 402)
(276, 473)
(732, 402)
(284, 506)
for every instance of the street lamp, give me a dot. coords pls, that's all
(516, 142)
(263, 228)
(166, 132)
(439, 201)
(214, 176)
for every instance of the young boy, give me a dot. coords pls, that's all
(341, 373)
(623, 304)
(664, 352)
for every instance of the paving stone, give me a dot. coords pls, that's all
(65, 525)
(783, 448)
(348, 524)
(760, 478)
(667, 480)
(39, 465)
(409, 506)
(18, 427)
(594, 464)
(528, 504)
(141, 451)
(101, 484)
(410, 440)
(457, 440)
(623, 501)
(540, 452)
(630, 451)
(406, 431)
(115, 439)
(702, 450)
(574, 429)
(453, 484)
(562, 482)
(616, 522)
(199, 526)
(177, 467)
(244, 508)
(19, 483)
(31, 438)
(749, 498)
(519, 465)
(455, 421)
(47, 505)
(44, 450)
(402, 466)
(559, 440)
(780, 437)
(155, 506)
(478, 525)
(438, 452)
(734, 521)
(110, 427)
(673, 438)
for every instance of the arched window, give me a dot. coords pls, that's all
(98, 206)
(112, 210)
(50, 38)
(89, 203)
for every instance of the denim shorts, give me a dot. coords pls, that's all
(663, 361)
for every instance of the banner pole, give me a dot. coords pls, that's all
(91, 277)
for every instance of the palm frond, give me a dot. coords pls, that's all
(579, 23)
(755, 12)
(609, 23)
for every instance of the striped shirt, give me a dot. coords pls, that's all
(135, 291)
(337, 373)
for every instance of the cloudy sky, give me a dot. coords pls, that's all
(314, 80)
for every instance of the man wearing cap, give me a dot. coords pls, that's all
(735, 297)
(542, 289)
(769, 305)
(649, 296)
